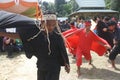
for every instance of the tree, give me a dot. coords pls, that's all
(67, 9)
(48, 6)
(108, 4)
(74, 5)
(115, 5)
(59, 7)
(52, 7)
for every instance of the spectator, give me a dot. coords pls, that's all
(1, 44)
(116, 40)
(18, 44)
(102, 31)
(65, 26)
(9, 46)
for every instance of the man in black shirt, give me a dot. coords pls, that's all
(102, 31)
(116, 49)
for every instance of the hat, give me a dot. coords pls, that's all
(111, 23)
(49, 17)
(87, 23)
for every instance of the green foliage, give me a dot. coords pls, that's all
(108, 4)
(74, 5)
(48, 6)
(115, 5)
(65, 8)
(59, 7)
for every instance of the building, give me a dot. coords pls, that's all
(91, 8)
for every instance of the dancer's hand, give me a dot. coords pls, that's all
(67, 68)
(107, 46)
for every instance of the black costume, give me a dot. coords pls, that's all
(116, 49)
(48, 65)
(9, 47)
(1, 44)
(105, 35)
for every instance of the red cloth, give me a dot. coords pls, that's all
(80, 43)
(72, 41)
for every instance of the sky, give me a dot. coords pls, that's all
(51, 0)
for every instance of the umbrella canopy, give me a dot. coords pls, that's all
(18, 6)
(13, 20)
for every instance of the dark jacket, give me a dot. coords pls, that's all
(116, 34)
(39, 48)
(105, 35)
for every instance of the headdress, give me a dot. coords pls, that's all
(49, 17)
(43, 26)
(87, 23)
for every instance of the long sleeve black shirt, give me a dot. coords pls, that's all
(39, 47)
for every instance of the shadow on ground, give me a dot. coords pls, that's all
(15, 54)
(101, 74)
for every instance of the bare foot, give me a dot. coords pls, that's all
(110, 66)
(78, 72)
(90, 62)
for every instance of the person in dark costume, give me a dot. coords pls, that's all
(116, 40)
(103, 32)
(46, 44)
(9, 46)
(65, 26)
(1, 44)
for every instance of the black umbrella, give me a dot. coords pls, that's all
(13, 20)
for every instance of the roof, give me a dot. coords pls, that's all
(94, 11)
(104, 10)
(91, 3)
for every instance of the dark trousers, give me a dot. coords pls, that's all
(115, 51)
(48, 75)
(1, 44)
(9, 49)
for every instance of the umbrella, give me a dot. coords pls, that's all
(17, 6)
(13, 20)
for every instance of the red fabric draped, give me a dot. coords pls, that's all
(73, 36)
(71, 41)
(80, 43)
